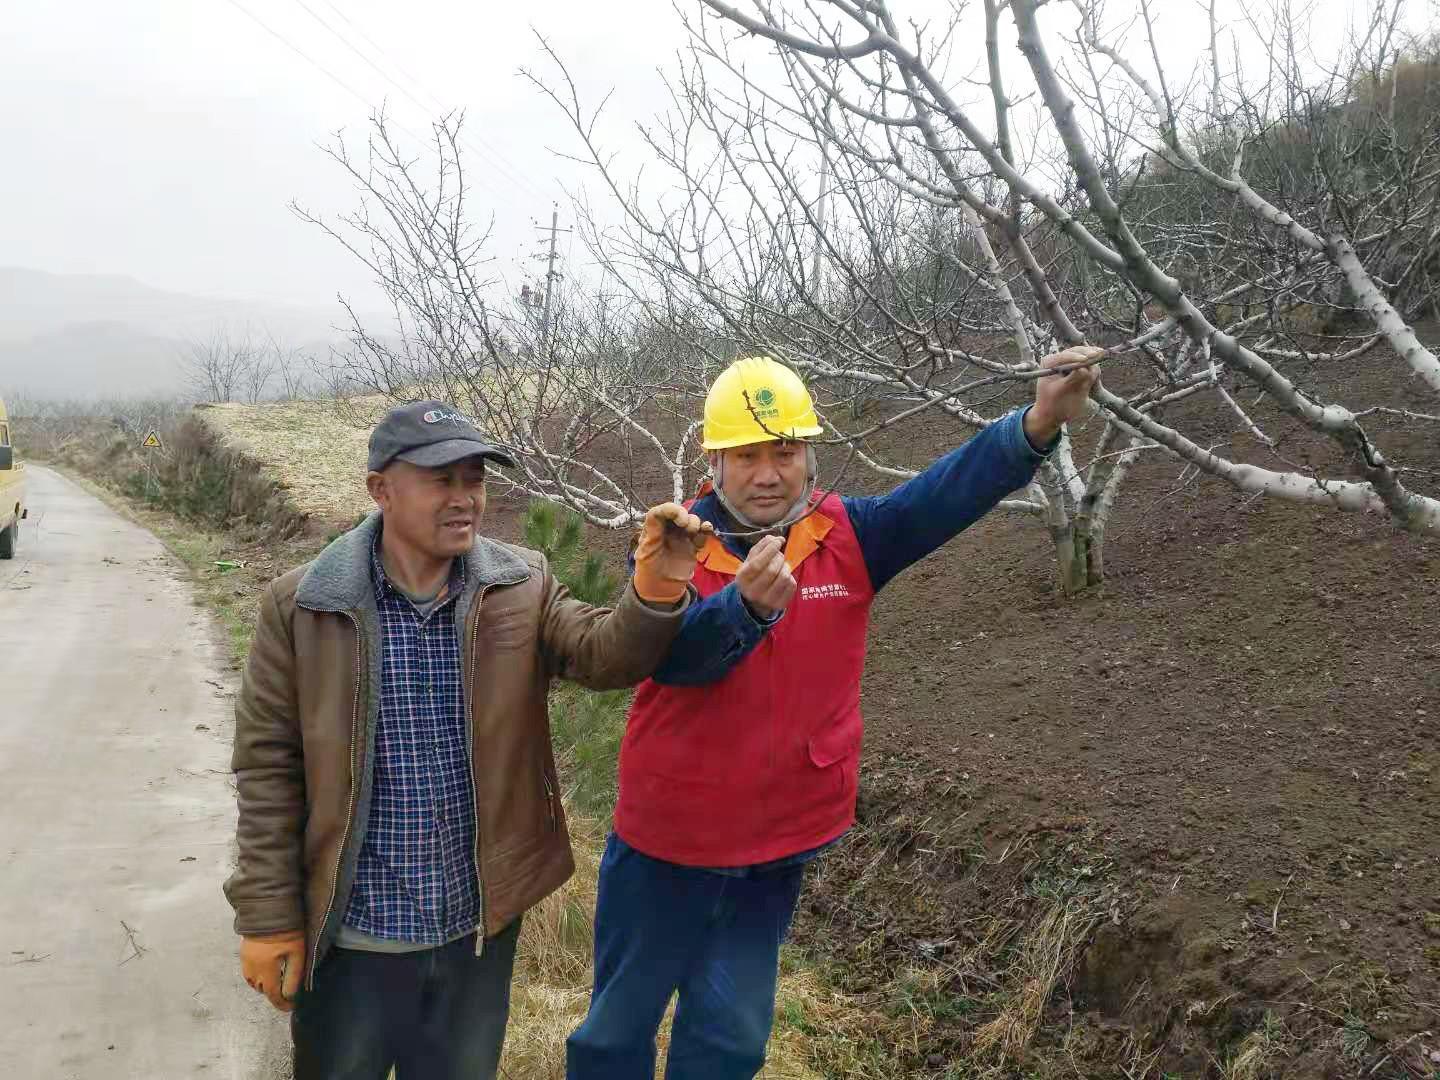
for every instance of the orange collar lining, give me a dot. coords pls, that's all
(803, 541)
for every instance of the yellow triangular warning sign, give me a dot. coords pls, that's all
(152, 442)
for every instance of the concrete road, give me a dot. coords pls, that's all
(116, 813)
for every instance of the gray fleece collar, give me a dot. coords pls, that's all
(339, 578)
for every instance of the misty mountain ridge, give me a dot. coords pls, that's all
(95, 336)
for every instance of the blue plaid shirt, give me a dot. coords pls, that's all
(416, 880)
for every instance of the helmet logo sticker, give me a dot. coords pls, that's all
(765, 400)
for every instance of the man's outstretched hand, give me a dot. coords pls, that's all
(1061, 398)
(273, 964)
(670, 541)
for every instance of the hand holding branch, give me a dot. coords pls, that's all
(1061, 397)
(670, 541)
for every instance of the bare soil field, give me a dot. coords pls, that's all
(1236, 738)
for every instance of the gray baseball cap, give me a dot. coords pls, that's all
(430, 434)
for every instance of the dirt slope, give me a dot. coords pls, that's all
(1240, 733)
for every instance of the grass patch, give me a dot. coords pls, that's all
(315, 450)
(1259, 1053)
(588, 728)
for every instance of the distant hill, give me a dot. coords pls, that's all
(85, 360)
(80, 335)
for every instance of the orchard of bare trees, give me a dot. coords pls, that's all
(246, 366)
(249, 367)
(913, 222)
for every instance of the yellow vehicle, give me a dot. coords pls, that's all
(12, 490)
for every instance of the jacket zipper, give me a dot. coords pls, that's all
(470, 764)
(350, 807)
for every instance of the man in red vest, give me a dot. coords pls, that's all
(741, 755)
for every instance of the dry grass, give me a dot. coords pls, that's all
(553, 971)
(1046, 954)
(314, 449)
(1259, 1053)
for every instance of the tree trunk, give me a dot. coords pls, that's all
(1072, 558)
(1067, 519)
(1077, 559)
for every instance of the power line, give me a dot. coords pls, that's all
(340, 82)
(371, 42)
(506, 169)
(299, 51)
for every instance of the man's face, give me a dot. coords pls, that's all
(763, 480)
(435, 511)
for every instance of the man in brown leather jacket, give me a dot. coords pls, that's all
(399, 809)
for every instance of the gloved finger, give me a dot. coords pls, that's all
(691, 525)
(686, 522)
(657, 517)
(294, 969)
(271, 988)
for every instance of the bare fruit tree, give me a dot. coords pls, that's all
(834, 199)
(244, 366)
(294, 372)
(553, 382)
(216, 367)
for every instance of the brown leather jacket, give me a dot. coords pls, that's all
(307, 710)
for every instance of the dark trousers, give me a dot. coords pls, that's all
(438, 1014)
(662, 928)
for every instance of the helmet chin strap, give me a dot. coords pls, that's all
(796, 511)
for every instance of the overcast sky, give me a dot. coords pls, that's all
(163, 139)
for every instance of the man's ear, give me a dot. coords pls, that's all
(375, 484)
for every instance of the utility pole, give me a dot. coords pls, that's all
(823, 198)
(820, 222)
(551, 274)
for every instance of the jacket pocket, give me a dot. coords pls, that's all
(835, 751)
(838, 743)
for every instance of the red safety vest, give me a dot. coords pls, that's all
(765, 762)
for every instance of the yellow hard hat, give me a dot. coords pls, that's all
(757, 399)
